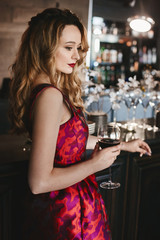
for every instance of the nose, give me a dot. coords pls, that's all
(76, 54)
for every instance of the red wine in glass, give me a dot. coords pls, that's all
(108, 142)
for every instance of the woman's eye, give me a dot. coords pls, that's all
(79, 48)
(69, 48)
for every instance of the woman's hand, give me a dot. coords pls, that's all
(136, 145)
(104, 158)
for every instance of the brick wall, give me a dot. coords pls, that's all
(14, 15)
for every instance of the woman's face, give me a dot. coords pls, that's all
(67, 52)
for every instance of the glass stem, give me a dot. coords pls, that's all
(128, 110)
(154, 117)
(114, 118)
(110, 174)
(128, 114)
(144, 122)
(134, 114)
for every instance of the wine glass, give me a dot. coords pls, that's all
(128, 103)
(145, 103)
(154, 101)
(135, 96)
(131, 99)
(115, 99)
(108, 136)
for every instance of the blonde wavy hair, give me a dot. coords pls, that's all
(36, 55)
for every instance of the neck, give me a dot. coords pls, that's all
(41, 78)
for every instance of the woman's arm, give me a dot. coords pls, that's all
(91, 142)
(136, 145)
(49, 113)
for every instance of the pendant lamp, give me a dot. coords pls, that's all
(140, 23)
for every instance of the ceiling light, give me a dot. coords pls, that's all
(141, 23)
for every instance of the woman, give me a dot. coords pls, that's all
(46, 102)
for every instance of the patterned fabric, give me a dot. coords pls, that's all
(74, 213)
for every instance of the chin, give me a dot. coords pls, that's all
(67, 71)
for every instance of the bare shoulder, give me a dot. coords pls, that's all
(51, 93)
(50, 96)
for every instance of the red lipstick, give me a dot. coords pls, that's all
(72, 65)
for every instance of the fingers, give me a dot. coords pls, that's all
(114, 148)
(110, 152)
(110, 161)
(96, 149)
(142, 152)
(147, 148)
(96, 146)
(144, 149)
(105, 157)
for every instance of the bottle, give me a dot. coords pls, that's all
(127, 31)
(136, 66)
(107, 80)
(105, 55)
(104, 29)
(113, 53)
(149, 56)
(144, 54)
(99, 58)
(120, 56)
(99, 77)
(112, 74)
(154, 56)
(108, 47)
(113, 29)
(103, 75)
(122, 71)
(102, 52)
(131, 65)
(140, 55)
(134, 47)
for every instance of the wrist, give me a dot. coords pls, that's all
(123, 146)
(93, 165)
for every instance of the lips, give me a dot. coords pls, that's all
(72, 65)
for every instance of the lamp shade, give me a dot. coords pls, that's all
(141, 23)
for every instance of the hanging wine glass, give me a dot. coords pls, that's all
(154, 102)
(115, 107)
(115, 99)
(109, 135)
(128, 102)
(145, 103)
(135, 96)
(135, 102)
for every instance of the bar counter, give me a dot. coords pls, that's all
(133, 209)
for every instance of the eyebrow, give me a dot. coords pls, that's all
(72, 42)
